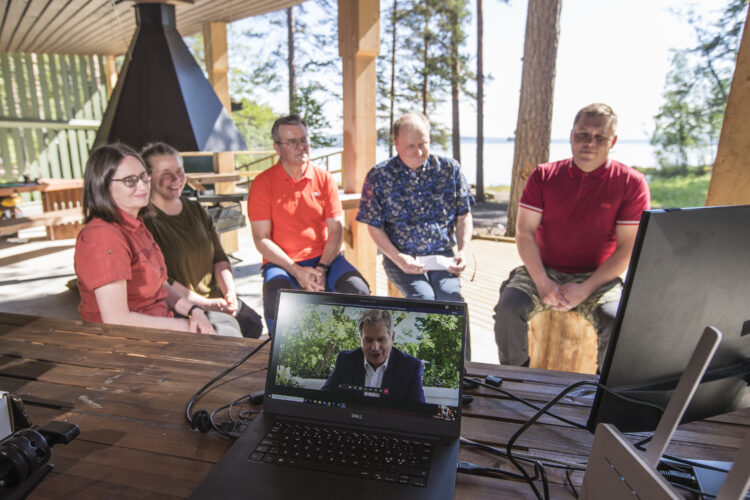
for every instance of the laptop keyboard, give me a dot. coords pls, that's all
(367, 455)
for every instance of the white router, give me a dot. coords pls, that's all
(616, 470)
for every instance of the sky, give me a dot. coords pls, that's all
(611, 51)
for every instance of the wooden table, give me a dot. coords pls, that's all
(61, 204)
(126, 388)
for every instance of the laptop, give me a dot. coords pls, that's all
(326, 431)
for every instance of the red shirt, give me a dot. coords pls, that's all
(297, 209)
(580, 211)
(107, 252)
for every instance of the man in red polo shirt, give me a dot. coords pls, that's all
(296, 219)
(577, 222)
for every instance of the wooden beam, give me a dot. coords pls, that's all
(224, 164)
(730, 179)
(110, 68)
(217, 61)
(359, 43)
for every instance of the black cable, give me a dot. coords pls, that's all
(545, 409)
(203, 389)
(525, 402)
(570, 483)
(216, 427)
(476, 470)
(527, 458)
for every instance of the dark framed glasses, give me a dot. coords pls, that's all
(131, 181)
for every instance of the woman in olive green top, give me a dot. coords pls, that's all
(187, 237)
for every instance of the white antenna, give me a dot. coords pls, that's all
(616, 469)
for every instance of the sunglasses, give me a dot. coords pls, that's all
(131, 181)
(294, 143)
(584, 138)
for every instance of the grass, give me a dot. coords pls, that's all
(667, 191)
(679, 191)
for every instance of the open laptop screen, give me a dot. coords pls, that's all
(323, 341)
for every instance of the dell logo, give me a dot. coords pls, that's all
(357, 416)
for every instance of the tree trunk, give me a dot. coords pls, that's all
(455, 86)
(290, 60)
(534, 126)
(425, 62)
(480, 105)
(394, 22)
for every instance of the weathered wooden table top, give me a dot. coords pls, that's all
(127, 389)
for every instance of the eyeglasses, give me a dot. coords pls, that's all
(585, 138)
(294, 143)
(131, 181)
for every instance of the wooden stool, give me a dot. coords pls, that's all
(563, 341)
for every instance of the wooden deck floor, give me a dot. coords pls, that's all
(489, 264)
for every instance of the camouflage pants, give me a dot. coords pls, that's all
(514, 310)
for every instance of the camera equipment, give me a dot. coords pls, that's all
(24, 453)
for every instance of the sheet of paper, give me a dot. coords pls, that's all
(435, 262)
(6, 423)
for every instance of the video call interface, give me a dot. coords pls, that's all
(320, 348)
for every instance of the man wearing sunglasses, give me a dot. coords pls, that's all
(577, 222)
(296, 219)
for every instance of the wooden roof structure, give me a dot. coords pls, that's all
(106, 26)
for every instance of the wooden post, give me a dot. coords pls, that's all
(562, 341)
(110, 69)
(217, 67)
(730, 179)
(224, 164)
(359, 43)
(217, 61)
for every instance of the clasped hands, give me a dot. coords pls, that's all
(562, 297)
(310, 278)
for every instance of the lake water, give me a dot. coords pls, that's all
(498, 156)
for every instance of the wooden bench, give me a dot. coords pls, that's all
(563, 341)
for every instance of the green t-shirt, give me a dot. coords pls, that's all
(190, 246)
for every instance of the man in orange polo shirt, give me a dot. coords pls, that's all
(296, 219)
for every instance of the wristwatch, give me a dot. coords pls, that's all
(190, 311)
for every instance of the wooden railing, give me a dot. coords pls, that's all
(249, 163)
(50, 108)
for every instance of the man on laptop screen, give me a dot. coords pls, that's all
(330, 431)
(377, 368)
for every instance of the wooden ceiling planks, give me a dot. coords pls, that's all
(105, 26)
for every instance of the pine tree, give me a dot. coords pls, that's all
(534, 127)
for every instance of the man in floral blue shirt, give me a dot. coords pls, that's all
(418, 208)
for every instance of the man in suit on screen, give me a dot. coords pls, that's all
(377, 368)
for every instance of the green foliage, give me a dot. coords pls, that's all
(683, 125)
(679, 191)
(254, 122)
(314, 341)
(316, 337)
(315, 55)
(310, 107)
(423, 56)
(696, 90)
(440, 348)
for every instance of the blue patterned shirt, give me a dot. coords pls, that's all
(416, 209)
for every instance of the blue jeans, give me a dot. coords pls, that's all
(342, 278)
(431, 285)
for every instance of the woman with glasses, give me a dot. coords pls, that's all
(188, 239)
(121, 271)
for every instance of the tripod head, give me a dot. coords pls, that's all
(27, 450)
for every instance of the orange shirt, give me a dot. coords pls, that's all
(107, 252)
(297, 209)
